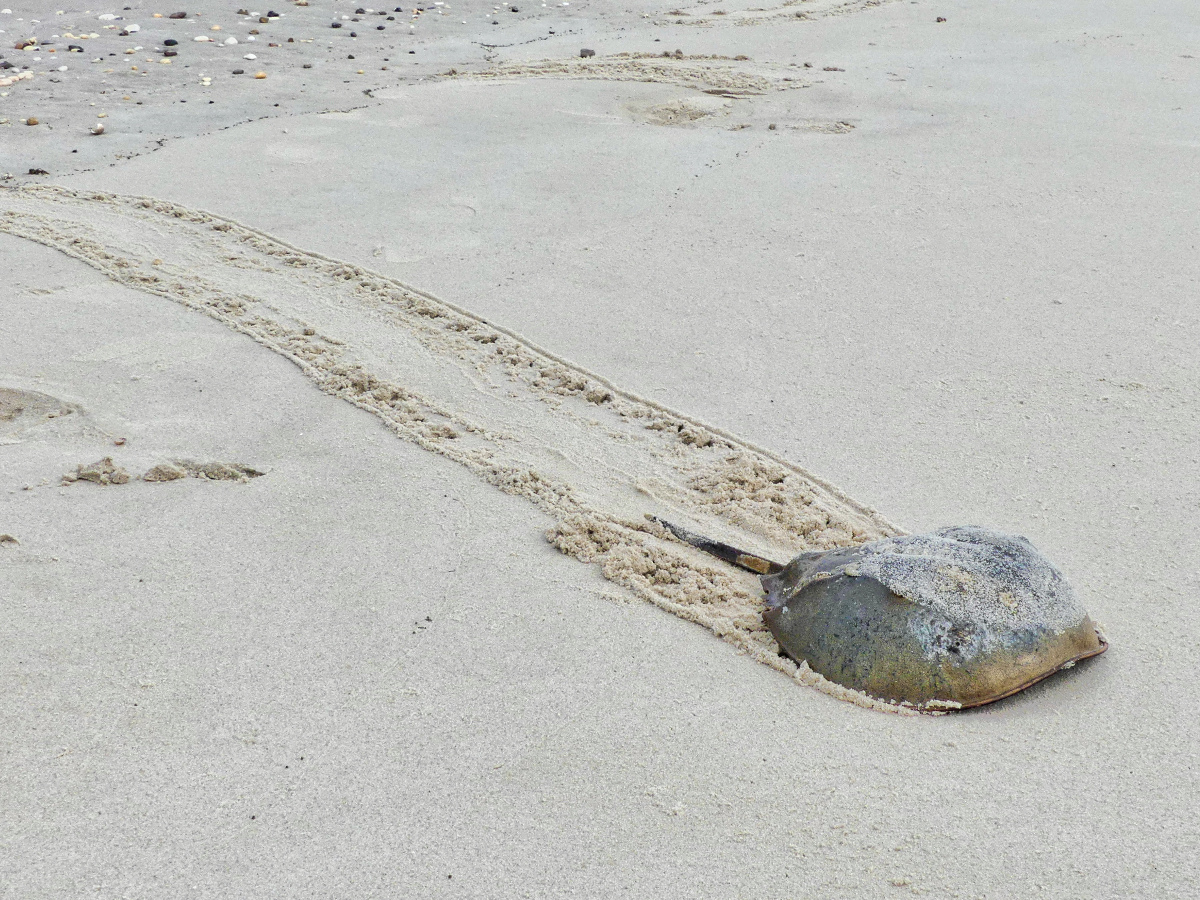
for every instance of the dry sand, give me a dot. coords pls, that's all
(948, 266)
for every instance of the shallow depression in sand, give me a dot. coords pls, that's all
(596, 459)
(21, 410)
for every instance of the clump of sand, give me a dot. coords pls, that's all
(103, 471)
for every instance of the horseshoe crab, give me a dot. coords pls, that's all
(957, 618)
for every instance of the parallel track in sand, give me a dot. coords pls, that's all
(593, 457)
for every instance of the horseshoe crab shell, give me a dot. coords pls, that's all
(957, 618)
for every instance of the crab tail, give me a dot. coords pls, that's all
(740, 558)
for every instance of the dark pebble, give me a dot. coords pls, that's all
(5, 64)
(263, 20)
(336, 25)
(308, 65)
(38, 172)
(360, 12)
(170, 53)
(243, 12)
(74, 48)
(239, 71)
(514, 9)
(354, 34)
(271, 14)
(351, 56)
(170, 42)
(177, 15)
(585, 53)
(379, 27)
(941, 18)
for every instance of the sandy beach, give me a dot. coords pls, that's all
(333, 401)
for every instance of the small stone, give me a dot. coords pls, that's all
(98, 128)
(230, 41)
(260, 74)
(350, 56)
(271, 14)
(170, 42)
(170, 53)
(291, 40)
(249, 56)
(585, 53)
(354, 34)
(360, 72)
(263, 20)
(38, 172)
(771, 127)
(941, 18)
(32, 120)
(215, 28)
(307, 65)
(239, 71)
(336, 25)
(177, 15)
(8, 541)
(243, 12)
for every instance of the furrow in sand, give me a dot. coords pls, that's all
(593, 457)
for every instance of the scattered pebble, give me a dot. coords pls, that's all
(585, 53)
(260, 74)
(98, 128)
(32, 120)
(249, 56)
(7, 540)
(239, 71)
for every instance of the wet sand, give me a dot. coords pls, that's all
(951, 283)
